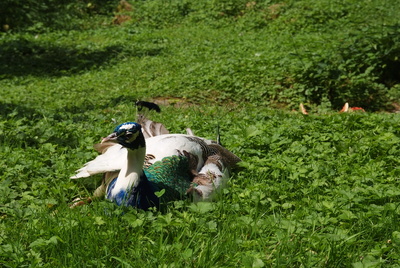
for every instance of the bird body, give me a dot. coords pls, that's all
(137, 168)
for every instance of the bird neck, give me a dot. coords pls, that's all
(131, 174)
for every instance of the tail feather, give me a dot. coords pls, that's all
(151, 128)
(229, 158)
(148, 105)
(218, 136)
(190, 132)
(210, 179)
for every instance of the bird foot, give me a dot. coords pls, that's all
(77, 202)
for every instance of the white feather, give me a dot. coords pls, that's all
(111, 160)
(221, 177)
(189, 131)
(130, 173)
(173, 144)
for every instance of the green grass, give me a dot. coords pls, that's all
(312, 191)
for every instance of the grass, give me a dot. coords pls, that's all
(313, 191)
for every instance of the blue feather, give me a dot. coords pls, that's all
(141, 196)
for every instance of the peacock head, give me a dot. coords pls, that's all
(128, 134)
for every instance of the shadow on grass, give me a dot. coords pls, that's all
(25, 127)
(12, 110)
(25, 57)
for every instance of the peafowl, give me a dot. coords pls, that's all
(145, 166)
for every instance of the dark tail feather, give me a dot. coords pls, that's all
(148, 105)
(218, 136)
(149, 128)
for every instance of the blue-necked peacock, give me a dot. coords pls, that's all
(139, 160)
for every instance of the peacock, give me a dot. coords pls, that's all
(145, 166)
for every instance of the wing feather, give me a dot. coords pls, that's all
(113, 159)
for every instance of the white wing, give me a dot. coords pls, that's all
(112, 159)
(174, 144)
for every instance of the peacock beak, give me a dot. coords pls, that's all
(110, 138)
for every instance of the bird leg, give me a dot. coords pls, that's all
(98, 193)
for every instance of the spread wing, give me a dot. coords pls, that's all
(113, 157)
